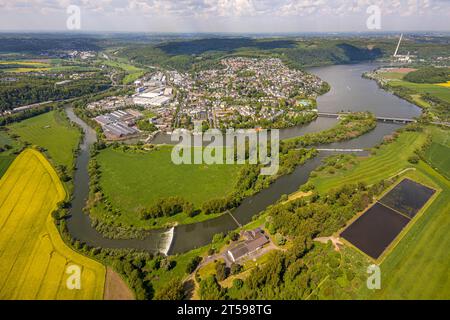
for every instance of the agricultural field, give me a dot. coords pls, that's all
(132, 73)
(437, 90)
(417, 266)
(438, 155)
(5, 162)
(51, 131)
(48, 65)
(133, 180)
(368, 170)
(8, 147)
(34, 257)
(20, 66)
(432, 97)
(396, 79)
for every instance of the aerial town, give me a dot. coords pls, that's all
(243, 93)
(247, 92)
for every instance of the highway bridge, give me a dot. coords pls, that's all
(341, 150)
(381, 119)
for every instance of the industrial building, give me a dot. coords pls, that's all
(119, 124)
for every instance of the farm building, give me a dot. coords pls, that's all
(255, 239)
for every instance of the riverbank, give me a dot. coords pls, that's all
(189, 237)
(433, 99)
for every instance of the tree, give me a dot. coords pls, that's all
(172, 290)
(234, 236)
(238, 283)
(280, 239)
(235, 268)
(193, 264)
(167, 264)
(221, 271)
(217, 238)
(210, 289)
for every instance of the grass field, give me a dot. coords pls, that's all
(440, 90)
(52, 132)
(433, 89)
(417, 93)
(34, 257)
(438, 155)
(25, 66)
(53, 65)
(5, 162)
(393, 75)
(132, 73)
(389, 160)
(417, 267)
(5, 139)
(7, 156)
(135, 180)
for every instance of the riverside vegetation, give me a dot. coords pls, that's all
(311, 270)
(174, 197)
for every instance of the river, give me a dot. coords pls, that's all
(350, 92)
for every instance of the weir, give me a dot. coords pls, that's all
(166, 241)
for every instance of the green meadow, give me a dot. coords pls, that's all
(132, 73)
(438, 155)
(8, 147)
(136, 180)
(417, 267)
(389, 160)
(51, 131)
(433, 89)
(5, 162)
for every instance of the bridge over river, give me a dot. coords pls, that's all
(381, 119)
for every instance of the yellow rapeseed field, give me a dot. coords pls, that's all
(446, 84)
(34, 261)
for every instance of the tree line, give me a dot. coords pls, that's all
(295, 273)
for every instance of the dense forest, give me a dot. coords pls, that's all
(29, 90)
(205, 53)
(45, 42)
(429, 75)
(201, 46)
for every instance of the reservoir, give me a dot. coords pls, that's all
(350, 92)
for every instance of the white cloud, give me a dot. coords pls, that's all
(258, 11)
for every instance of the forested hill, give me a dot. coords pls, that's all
(43, 43)
(200, 46)
(204, 53)
(429, 75)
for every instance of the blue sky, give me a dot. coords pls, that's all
(225, 15)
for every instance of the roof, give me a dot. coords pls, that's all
(239, 251)
(250, 245)
(257, 243)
